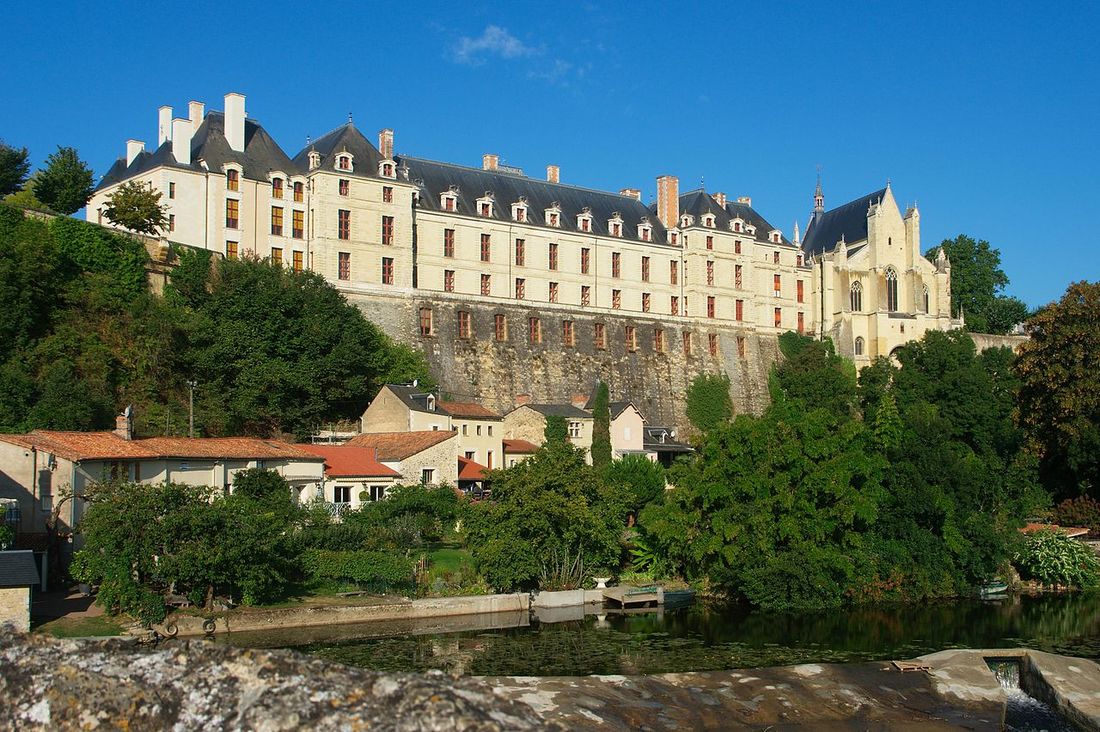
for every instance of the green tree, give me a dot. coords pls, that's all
(556, 430)
(639, 480)
(601, 427)
(814, 374)
(1059, 400)
(14, 167)
(66, 183)
(708, 401)
(137, 207)
(976, 284)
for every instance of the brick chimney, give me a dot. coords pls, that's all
(522, 399)
(747, 200)
(668, 200)
(720, 199)
(385, 143)
(164, 125)
(635, 193)
(124, 424)
(552, 173)
(579, 400)
(133, 149)
(489, 161)
(234, 121)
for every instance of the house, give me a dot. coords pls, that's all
(479, 432)
(18, 574)
(42, 467)
(660, 445)
(516, 451)
(471, 476)
(353, 475)
(423, 456)
(528, 422)
(627, 426)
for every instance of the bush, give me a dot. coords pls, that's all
(708, 401)
(1052, 558)
(376, 571)
(1081, 511)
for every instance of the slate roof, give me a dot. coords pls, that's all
(558, 410)
(614, 408)
(345, 138)
(467, 410)
(469, 470)
(261, 155)
(652, 441)
(698, 203)
(849, 221)
(519, 447)
(345, 461)
(414, 397)
(17, 569)
(396, 446)
(507, 188)
(78, 446)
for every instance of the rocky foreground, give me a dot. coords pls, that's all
(188, 685)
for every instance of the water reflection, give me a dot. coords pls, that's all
(709, 638)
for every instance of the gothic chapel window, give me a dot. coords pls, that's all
(857, 297)
(891, 289)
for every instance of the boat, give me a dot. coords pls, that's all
(994, 589)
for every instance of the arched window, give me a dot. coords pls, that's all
(926, 303)
(859, 346)
(891, 289)
(857, 297)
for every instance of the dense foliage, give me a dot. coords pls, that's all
(638, 480)
(977, 282)
(708, 401)
(1082, 511)
(1052, 558)
(66, 183)
(372, 570)
(14, 167)
(137, 207)
(601, 427)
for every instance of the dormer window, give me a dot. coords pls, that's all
(673, 237)
(708, 221)
(686, 220)
(343, 161)
(519, 211)
(553, 215)
(776, 237)
(430, 402)
(448, 201)
(232, 180)
(584, 220)
(387, 169)
(615, 224)
(314, 159)
(645, 230)
(751, 229)
(485, 205)
(737, 224)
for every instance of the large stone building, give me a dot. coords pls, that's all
(525, 287)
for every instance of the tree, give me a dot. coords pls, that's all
(814, 374)
(638, 479)
(708, 401)
(14, 167)
(976, 283)
(137, 207)
(66, 183)
(556, 430)
(1059, 400)
(601, 428)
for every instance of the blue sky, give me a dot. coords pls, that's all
(986, 115)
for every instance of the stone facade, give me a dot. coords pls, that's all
(15, 607)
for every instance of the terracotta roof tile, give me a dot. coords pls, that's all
(1070, 531)
(109, 446)
(519, 447)
(468, 410)
(344, 461)
(469, 470)
(400, 445)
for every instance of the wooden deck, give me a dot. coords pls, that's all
(626, 596)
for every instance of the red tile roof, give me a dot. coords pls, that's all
(240, 448)
(468, 410)
(519, 447)
(469, 470)
(393, 446)
(344, 461)
(79, 446)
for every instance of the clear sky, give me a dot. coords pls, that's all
(988, 115)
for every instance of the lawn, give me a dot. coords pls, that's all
(79, 627)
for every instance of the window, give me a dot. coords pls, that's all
(775, 257)
(344, 265)
(552, 257)
(299, 190)
(553, 219)
(552, 293)
(687, 342)
(856, 296)
(521, 288)
(586, 295)
(891, 289)
(521, 253)
(427, 476)
(737, 246)
(645, 269)
(672, 238)
(712, 343)
(486, 283)
(801, 323)
(298, 224)
(778, 317)
(171, 222)
(277, 220)
(645, 302)
(463, 325)
(737, 279)
(616, 299)
(500, 328)
(659, 340)
(798, 260)
(425, 321)
(343, 162)
(710, 306)
(616, 229)
(567, 338)
(800, 293)
(172, 189)
(277, 255)
(674, 305)
(485, 208)
(448, 280)
(296, 261)
(741, 346)
(859, 346)
(345, 187)
(449, 203)
(341, 494)
(387, 194)
(343, 223)
(534, 331)
(377, 492)
(777, 285)
(710, 242)
(586, 224)
(520, 214)
(631, 338)
(231, 250)
(448, 242)
(673, 272)
(387, 230)
(232, 180)
(387, 270)
(710, 273)
(740, 306)
(586, 258)
(926, 302)
(574, 430)
(616, 264)
(599, 336)
(486, 246)
(232, 213)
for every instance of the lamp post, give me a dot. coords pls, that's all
(191, 384)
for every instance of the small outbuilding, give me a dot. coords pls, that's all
(18, 574)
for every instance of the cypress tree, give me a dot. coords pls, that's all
(601, 428)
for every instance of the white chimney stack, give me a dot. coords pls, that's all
(196, 111)
(234, 121)
(164, 125)
(181, 141)
(133, 149)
